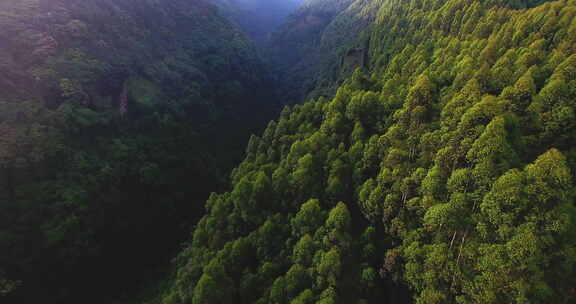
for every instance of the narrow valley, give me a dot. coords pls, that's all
(287, 151)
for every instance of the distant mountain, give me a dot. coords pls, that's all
(301, 49)
(41, 40)
(258, 18)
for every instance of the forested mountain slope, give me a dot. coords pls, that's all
(447, 168)
(116, 121)
(307, 51)
(322, 43)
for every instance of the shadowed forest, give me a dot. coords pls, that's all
(287, 151)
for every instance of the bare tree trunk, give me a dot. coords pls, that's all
(453, 238)
(458, 259)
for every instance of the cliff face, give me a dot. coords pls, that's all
(308, 49)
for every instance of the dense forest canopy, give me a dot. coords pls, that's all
(112, 116)
(440, 172)
(429, 156)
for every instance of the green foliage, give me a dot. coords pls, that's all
(112, 116)
(304, 251)
(529, 227)
(309, 218)
(445, 165)
(6, 286)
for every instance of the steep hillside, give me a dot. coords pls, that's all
(322, 43)
(307, 50)
(116, 121)
(124, 40)
(448, 169)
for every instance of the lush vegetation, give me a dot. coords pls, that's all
(117, 119)
(318, 47)
(435, 164)
(445, 166)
